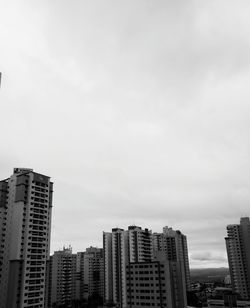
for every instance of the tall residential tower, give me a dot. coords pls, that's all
(93, 273)
(137, 262)
(25, 223)
(238, 252)
(120, 248)
(63, 277)
(174, 244)
(115, 247)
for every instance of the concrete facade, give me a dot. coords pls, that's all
(93, 273)
(63, 277)
(155, 284)
(120, 248)
(140, 244)
(115, 245)
(174, 245)
(80, 276)
(226, 297)
(123, 250)
(25, 218)
(238, 252)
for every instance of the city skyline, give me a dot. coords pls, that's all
(139, 112)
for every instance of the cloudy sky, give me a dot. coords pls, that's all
(138, 110)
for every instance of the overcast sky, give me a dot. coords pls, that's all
(138, 110)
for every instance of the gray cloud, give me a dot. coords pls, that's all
(139, 111)
(207, 256)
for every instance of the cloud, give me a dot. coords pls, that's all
(208, 256)
(206, 259)
(138, 111)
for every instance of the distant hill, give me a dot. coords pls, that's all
(208, 274)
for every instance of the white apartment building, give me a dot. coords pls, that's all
(120, 248)
(134, 251)
(25, 223)
(140, 244)
(115, 246)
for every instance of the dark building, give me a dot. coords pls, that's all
(63, 278)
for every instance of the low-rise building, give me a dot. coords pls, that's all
(220, 303)
(226, 297)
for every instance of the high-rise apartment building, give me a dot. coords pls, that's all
(120, 248)
(135, 259)
(80, 276)
(93, 273)
(63, 277)
(90, 275)
(25, 223)
(140, 244)
(174, 244)
(238, 252)
(115, 246)
(155, 283)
